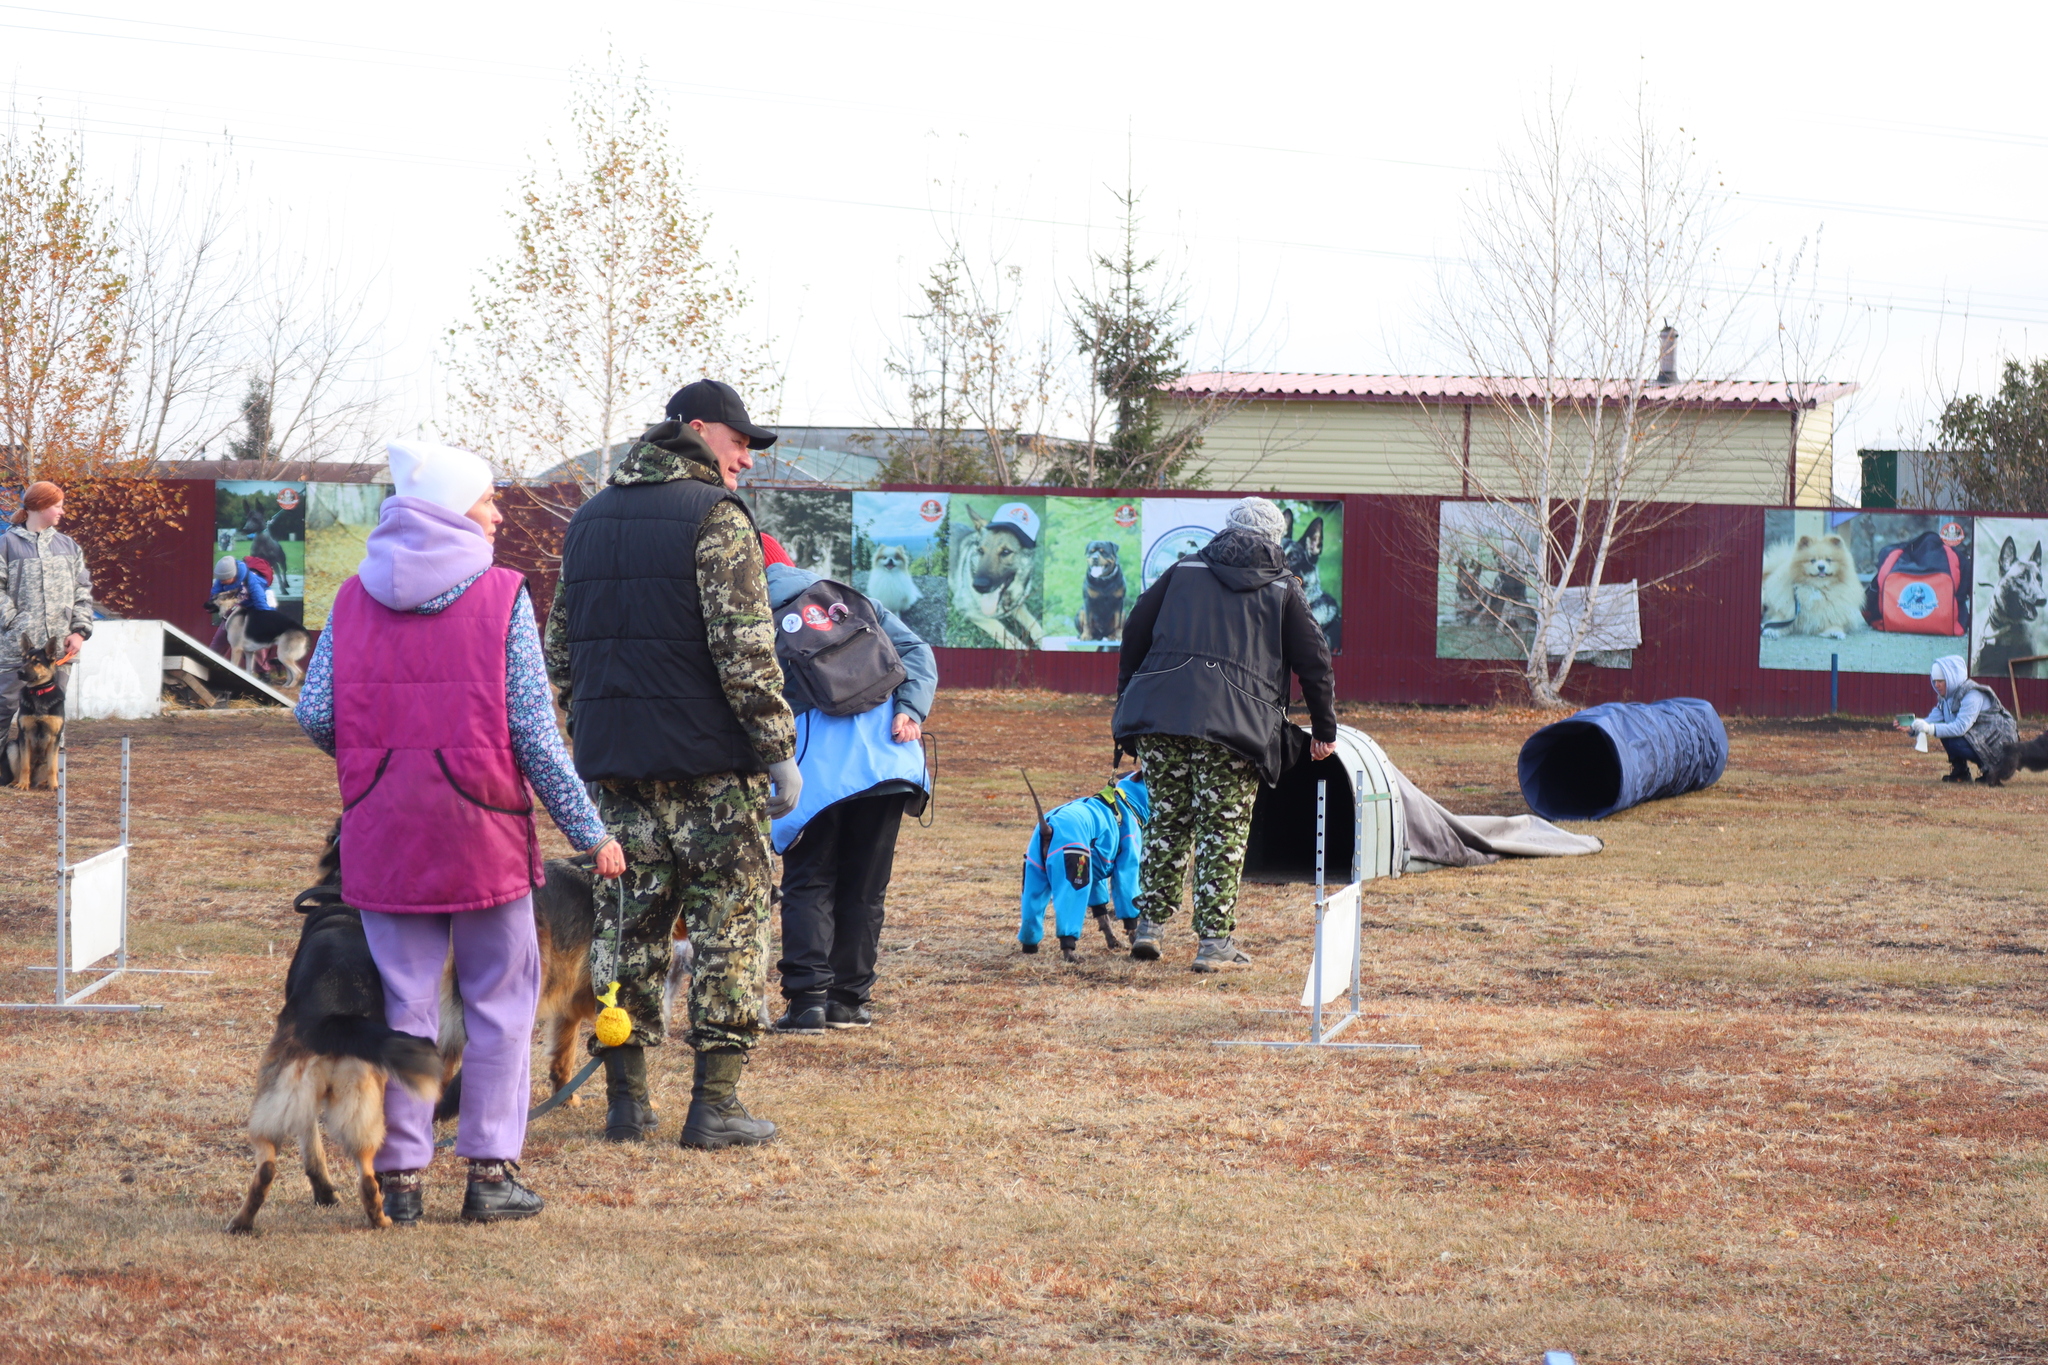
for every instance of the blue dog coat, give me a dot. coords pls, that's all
(1088, 861)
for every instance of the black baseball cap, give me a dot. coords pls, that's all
(708, 400)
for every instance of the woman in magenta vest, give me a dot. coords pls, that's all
(429, 690)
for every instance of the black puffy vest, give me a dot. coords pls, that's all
(645, 701)
(1217, 669)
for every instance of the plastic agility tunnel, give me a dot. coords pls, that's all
(1620, 754)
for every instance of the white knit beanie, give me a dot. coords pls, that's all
(1259, 516)
(443, 475)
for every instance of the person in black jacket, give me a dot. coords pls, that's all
(1202, 699)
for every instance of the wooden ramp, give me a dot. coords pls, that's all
(209, 675)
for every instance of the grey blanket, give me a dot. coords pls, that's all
(1437, 838)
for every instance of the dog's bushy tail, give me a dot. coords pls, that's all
(2033, 755)
(412, 1061)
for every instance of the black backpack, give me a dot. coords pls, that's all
(834, 654)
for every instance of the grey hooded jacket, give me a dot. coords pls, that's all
(45, 589)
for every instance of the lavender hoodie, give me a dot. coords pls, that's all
(419, 551)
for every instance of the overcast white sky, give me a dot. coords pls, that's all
(1305, 165)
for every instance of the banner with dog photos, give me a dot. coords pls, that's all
(268, 520)
(1015, 570)
(2011, 597)
(339, 519)
(1487, 555)
(1885, 592)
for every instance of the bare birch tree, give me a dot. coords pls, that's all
(975, 388)
(608, 300)
(1579, 256)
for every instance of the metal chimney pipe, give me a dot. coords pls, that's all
(1667, 355)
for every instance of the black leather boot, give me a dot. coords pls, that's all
(1958, 771)
(495, 1194)
(717, 1118)
(629, 1117)
(402, 1195)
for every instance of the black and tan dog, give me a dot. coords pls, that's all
(31, 742)
(1102, 595)
(331, 1054)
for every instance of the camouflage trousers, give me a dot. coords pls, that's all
(698, 848)
(1202, 796)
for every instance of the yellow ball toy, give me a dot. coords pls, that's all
(613, 1025)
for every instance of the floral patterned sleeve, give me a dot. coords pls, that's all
(315, 709)
(536, 743)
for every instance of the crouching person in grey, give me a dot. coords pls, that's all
(1202, 699)
(861, 772)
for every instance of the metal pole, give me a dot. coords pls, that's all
(121, 962)
(1834, 684)
(1358, 880)
(63, 800)
(1316, 975)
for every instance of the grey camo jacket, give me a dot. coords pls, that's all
(45, 589)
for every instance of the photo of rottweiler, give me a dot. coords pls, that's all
(1102, 612)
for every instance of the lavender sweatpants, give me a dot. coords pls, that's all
(497, 968)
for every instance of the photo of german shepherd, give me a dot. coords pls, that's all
(1302, 555)
(1102, 595)
(2014, 630)
(994, 571)
(30, 750)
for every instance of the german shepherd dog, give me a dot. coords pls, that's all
(2015, 614)
(993, 573)
(1302, 555)
(251, 631)
(262, 543)
(30, 750)
(331, 1054)
(1102, 595)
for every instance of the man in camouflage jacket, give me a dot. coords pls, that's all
(45, 592)
(662, 649)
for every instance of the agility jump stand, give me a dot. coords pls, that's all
(92, 911)
(1345, 908)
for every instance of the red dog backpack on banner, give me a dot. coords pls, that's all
(1918, 588)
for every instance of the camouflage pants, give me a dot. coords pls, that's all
(698, 848)
(1202, 796)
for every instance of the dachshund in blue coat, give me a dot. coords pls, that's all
(1084, 857)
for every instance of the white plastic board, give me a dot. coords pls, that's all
(1340, 938)
(94, 901)
(119, 672)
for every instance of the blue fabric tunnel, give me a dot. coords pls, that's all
(1620, 754)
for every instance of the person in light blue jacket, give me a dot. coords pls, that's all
(860, 775)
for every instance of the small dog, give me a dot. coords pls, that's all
(1097, 844)
(1302, 555)
(252, 630)
(331, 1054)
(2014, 629)
(890, 585)
(993, 572)
(1810, 588)
(31, 742)
(1102, 595)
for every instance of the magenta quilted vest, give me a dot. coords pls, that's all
(435, 814)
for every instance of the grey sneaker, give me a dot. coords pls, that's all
(1217, 954)
(1145, 940)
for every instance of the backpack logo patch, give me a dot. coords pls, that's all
(792, 623)
(816, 619)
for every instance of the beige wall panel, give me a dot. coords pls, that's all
(1817, 457)
(1727, 457)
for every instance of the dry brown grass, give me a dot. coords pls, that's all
(1763, 1082)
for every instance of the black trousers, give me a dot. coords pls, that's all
(834, 879)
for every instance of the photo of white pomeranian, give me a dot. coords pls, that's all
(1811, 588)
(890, 583)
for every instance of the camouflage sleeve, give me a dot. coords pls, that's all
(732, 583)
(555, 649)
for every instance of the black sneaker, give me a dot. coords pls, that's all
(402, 1195)
(802, 1016)
(848, 1016)
(495, 1194)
